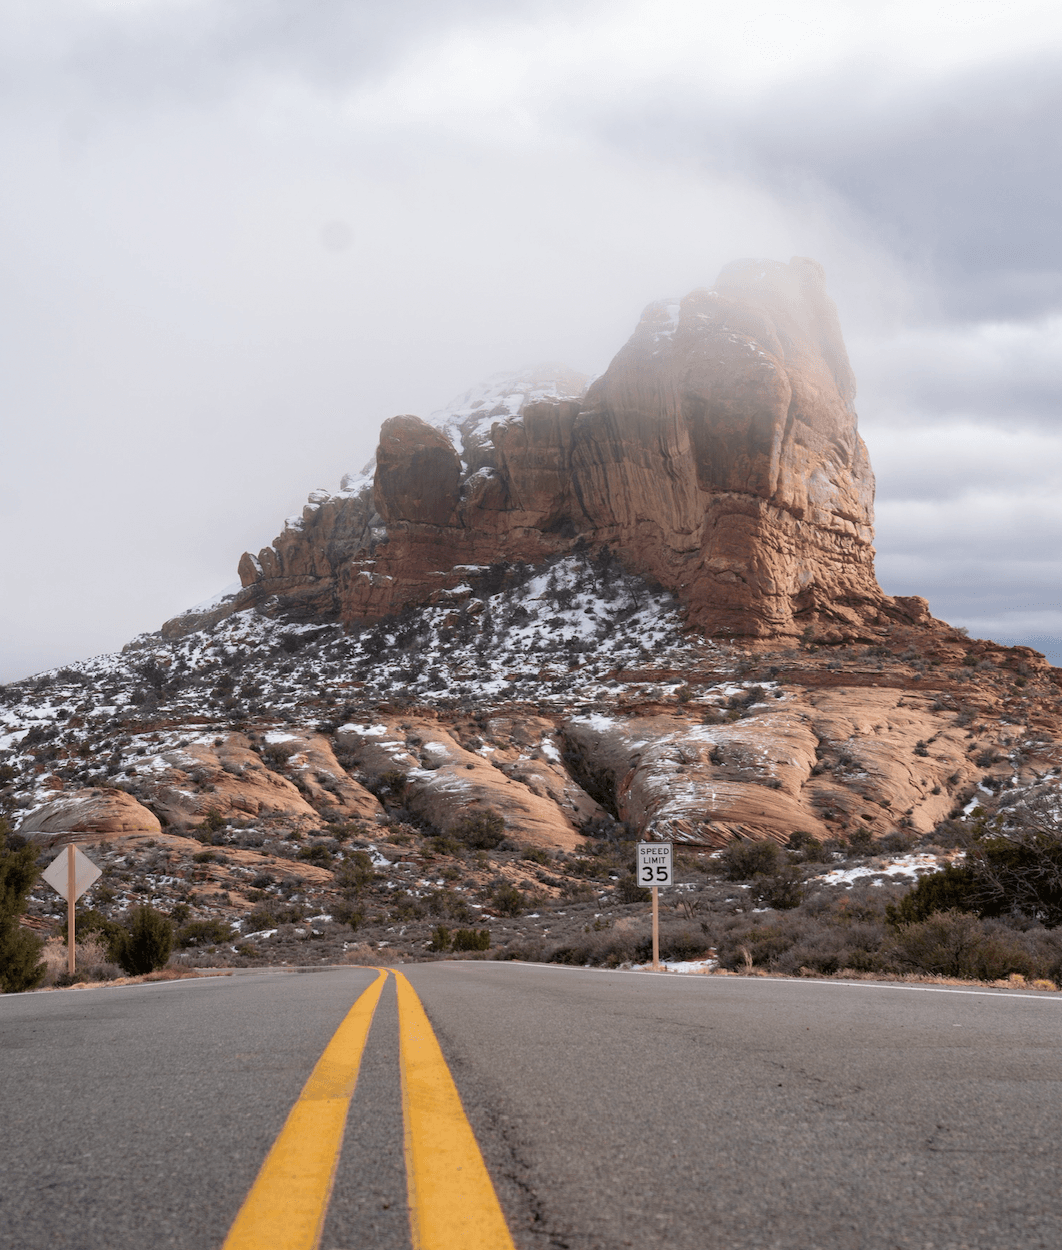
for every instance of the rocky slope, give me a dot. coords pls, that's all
(646, 608)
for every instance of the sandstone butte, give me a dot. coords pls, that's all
(718, 453)
(718, 458)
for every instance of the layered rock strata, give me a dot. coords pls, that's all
(718, 454)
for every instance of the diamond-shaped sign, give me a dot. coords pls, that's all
(57, 874)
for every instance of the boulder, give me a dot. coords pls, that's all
(232, 779)
(92, 811)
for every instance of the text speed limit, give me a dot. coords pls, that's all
(654, 863)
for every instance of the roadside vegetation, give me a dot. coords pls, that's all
(987, 905)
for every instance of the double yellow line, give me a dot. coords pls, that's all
(452, 1203)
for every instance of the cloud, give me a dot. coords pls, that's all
(244, 234)
(146, 53)
(998, 373)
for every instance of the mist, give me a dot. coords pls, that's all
(240, 237)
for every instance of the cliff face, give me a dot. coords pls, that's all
(718, 455)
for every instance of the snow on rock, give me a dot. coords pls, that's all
(444, 782)
(590, 697)
(467, 420)
(679, 779)
(911, 866)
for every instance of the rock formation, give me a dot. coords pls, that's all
(643, 608)
(102, 811)
(718, 453)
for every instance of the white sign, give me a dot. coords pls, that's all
(57, 874)
(654, 863)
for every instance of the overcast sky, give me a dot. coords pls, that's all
(237, 236)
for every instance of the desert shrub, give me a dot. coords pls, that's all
(92, 923)
(807, 847)
(93, 961)
(204, 933)
(1013, 869)
(393, 784)
(536, 856)
(954, 888)
(440, 939)
(146, 942)
(507, 900)
(744, 859)
(958, 944)
(609, 949)
(212, 821)
(253, 922)
(606, 828)
(829, 932)
(345, 912)
(629, 891)
(356, 872)
(276, 754)
(405, 907)
(471, 940)
(533, 951)
(287, 913)
(456, 907)
(352, 829)
(795, 942)
(317, 853)
(895, 843)
(482, 832)
(781, 890)
(860, 842)
(675, 944)
(763, 942)
(21, 966)
(1020, 873)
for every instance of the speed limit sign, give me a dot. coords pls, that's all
(654, 863)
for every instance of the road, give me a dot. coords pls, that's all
(612, 1109)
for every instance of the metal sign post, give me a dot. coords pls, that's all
(70, 874)
(655, 868)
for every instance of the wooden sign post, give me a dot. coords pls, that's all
(655, 868)
(70, 874)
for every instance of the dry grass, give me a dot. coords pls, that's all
(1014, 982)
(163, 974)
(90, 960)
(95, 972)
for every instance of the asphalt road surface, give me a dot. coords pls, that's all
(612, 1109)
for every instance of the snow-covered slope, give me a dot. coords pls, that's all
(467, 420)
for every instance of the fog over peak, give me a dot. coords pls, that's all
(243, 236)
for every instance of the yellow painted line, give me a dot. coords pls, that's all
(286, 1207)
(452, 1203)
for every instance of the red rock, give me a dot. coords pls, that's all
(92, 811)
(718, 454)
